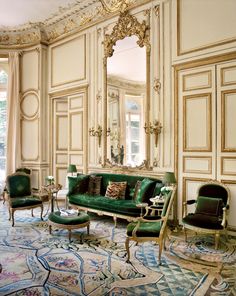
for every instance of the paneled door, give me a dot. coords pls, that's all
(206, 130)
(197, 130)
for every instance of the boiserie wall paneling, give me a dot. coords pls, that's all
(68, 62)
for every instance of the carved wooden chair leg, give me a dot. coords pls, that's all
(217, 239)
(115, 221)
(69, 235)
(12, 217)
(50, 229)
(9, 210)
(32, 212)
(160, 251)
(127, 249)
(41, 215)
(88, 229)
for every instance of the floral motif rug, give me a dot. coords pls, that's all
(37, 263)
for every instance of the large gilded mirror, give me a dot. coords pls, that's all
(127, 96)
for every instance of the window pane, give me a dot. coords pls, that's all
(134, 147)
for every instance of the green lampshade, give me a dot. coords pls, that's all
(72, 168)
(169, 178)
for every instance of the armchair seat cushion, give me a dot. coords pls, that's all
(203, 221)
(146, 229)
(25, 201)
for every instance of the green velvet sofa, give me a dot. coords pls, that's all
(126, 208)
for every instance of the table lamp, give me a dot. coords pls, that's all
(72, 169)
(169, 178)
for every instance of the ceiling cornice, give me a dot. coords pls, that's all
(64, 22)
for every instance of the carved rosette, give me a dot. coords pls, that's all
(126, 26)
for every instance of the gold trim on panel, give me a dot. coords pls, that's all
(222, 76)
(209, 171)
(52, 63)
(57, 132)
(62, 101)
(57, 174)
(62, 154)
(209, 85)
(223, 172)
(208, 148)
(223, 117)
(82, 130)
(210, 45)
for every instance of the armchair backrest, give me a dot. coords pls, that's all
(24, 170)
(215, 190)
(18, 185)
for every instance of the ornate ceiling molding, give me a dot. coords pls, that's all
(67, 20)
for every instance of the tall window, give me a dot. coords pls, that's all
(3, 121)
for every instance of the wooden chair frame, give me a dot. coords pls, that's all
(160, 240)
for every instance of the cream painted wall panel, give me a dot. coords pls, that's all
(198, 164)
(61, 132)
(68, 62)
(205, 23)
(61, 106)
(29, 104)
(76, 158)
(229, 116)
(30, 139)
(76, 102)
(61, 175)
(198, 80)
(35, 179)
(30, 64)
(76, 131)
(228, 166)
(228, 75)
(197, 123)
(61, 158)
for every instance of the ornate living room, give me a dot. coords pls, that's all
(117, 147)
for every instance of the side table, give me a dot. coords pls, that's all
(52, 191)
(157, 204)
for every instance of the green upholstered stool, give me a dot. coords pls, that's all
(69, 223)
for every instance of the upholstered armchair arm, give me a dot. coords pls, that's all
(224, 220)
(187, 203)
(142, 219)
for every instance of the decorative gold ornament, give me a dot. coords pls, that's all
(153, 129)
(157, 85)
(126, 26)
(96, 133)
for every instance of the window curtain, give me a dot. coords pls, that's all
(13, 151)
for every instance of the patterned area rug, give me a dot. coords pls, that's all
(36, 263)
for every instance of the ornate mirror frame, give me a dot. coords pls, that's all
(127, 26)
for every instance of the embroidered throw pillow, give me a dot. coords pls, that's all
(113, 191)
(136, 189)
(94, 186)
(122, 186)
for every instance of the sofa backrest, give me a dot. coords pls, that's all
(131, 183)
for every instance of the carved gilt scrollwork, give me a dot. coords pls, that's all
(127, 25)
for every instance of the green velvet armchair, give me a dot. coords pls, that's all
(151, 227)
(20, 196)
(211, 211)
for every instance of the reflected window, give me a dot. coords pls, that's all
(3, 122)
(134, 135)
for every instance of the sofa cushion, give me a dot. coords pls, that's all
(145, 185)
(125, 207)
(113, 191)
(122, 187)
(78, 184)
(209, 206)
(94, 185)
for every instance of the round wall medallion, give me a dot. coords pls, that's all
(30, 104)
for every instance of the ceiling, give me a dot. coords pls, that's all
(18, 12)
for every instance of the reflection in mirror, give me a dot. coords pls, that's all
(126, 94)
